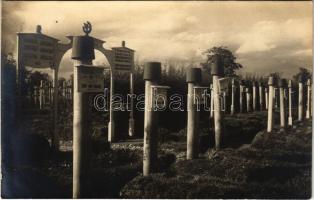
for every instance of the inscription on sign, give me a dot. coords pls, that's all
(201, 94)
(159, 96)
(90, 79)
(223, 84)
(37, 50)
(123, 58)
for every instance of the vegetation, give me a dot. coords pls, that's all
(303, 75)
(229, 60)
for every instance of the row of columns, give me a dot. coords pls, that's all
(43, 94)
(152, 75)
(282, 85)
(83, 53)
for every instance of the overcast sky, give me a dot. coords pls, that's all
(265, 36)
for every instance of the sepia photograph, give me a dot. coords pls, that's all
(156, 99)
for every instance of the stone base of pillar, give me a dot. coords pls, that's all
(232, 110)
(307, 116)
(111, 131)
(131, 127)
(290, 121)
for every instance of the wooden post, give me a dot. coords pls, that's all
(248, 99)
(217, 70)
(50, 92)
(241, 95)
(20, 71)
(131, 119)
(35, 95)
(211, 101)
(266, 98)
(270, 104)
(83, 53)
(152, 73)
(290, 103)
(282, 86)
(71, 90)
(111, 124)
(232, 96)
(308, 105)
(66, 91)
(261, 97)
(224, 102)
(55, 138)
(254, 95)
(300, 103)
(63, 89)
(275, 98)
(193, 78)
(41, 95)
(45, 92)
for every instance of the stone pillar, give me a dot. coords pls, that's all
(35, 95)
(111, 124)
(300, 103)
(248, 99)
(152, 74)
(308, 105)
(266, 98)
(232, 96)
(41, 95)
(282, 86)
(193, 78)
(82, 53)
(254, 85)
(211, 101)
(271, 83)
(217, 70)
(242, 92)
(131, 119)
(261, 96)
(49, 92)
(290, 103)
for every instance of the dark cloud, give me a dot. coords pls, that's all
(11, 24)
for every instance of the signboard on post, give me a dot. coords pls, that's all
(123, 59)
(223, 84)
(37, 50)
(90, 79)
(200, 94)
(159, 96)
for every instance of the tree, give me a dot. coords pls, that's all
(304, 74)
(275, 75)
(229, 60)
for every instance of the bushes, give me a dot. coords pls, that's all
(30, 149)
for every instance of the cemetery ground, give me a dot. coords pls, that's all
(251, 164)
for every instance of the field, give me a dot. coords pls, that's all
(251, 164)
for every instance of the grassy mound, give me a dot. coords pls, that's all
(276, 165)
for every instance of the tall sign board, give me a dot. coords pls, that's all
(123, 59)
(37, 50)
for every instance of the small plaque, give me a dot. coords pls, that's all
(159, 95)
(223, 84)
(90, 79)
